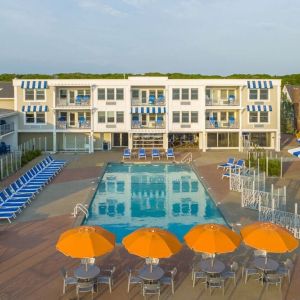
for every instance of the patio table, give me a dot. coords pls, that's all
(266, 266)
(216, 268)
(146, 274)
(84, 273)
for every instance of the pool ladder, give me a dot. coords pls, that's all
(187, 159)
(80, 207)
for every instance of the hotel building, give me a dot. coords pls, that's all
(149, 112)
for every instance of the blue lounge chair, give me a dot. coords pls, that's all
(228, 164)
(7, 216)
(155, 153)
(239, 165)
(127, 153)
(170, 153)
(142, 153)
(10, 201)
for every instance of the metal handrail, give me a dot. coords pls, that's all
(188, 158)
(80, 207)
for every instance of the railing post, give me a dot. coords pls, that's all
(273, 207)
(253, 193)
(258, 173)
(267, 166)
(2, 175)
(242, 197)
(11, 163)
(6, 162)
(295, 218)
(281, 167)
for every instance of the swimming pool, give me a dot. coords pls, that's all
(170, 196)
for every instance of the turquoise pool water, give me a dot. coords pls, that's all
(170, 196)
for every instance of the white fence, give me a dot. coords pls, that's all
(10, 163)
(34, 144)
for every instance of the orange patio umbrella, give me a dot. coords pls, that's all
(86, 242)
(152, 242)
(269, 237)
(212, 239)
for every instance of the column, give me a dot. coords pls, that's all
(204, 136)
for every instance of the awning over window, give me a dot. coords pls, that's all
(259, 107)
(33, 84)
(260, 84)
(148, 110)
(34, 108)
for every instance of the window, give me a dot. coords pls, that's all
(176, 94)
(110, 117)
(80, 92)
(110, 94)
(101, 116)
(253, 117)
(29, 94)
(185, 117)
(176, 116)
(135, 93)
(264, 94)
(63, 94)
(253, 94)
(120, 117)
(194, 94)
(194, 117)
(40, 118)
(223, 116)
(264, 117)
(101, 94)
(40, 94)
(224, 94)
(29, 118)
(185, 94)
(120, 94)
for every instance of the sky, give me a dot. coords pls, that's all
(136, 36)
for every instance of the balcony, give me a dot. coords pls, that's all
(6, 128)
(159, 101)
(231, 101)
(232, 124)
(63, 125)
(79, 101)
(149, 125)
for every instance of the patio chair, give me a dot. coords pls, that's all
(85, 287)
(133, 279)
(151, 289)
(197, 274)
(228, 164)
(273, 279)
(260, 253)
(106, 277)
(127, 153)
(155, 153)
(216, 283)
(142, 153)
(68, 280)
(285, 269)
(232, 273)
(168, 278)
(170, 153)
(251, 272)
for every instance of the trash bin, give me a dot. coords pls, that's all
(105, 146)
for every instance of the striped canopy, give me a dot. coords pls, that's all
(259, 107)
(260, 84)
(295, 152)
(34, 108)
(148, 110)
(34, 84)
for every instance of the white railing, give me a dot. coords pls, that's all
(79, 207)
(10, 163)
(187, 159)
(6, 128)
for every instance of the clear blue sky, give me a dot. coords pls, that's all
(191, 36)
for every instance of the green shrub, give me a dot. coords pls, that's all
(30, 155)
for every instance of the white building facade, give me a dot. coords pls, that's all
(149, 112)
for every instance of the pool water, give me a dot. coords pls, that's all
(170, 196)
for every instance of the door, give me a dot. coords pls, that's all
(144, 119)
(72, 119)
(144, 97)
(72, 97)
(117, 141)
(125, 139)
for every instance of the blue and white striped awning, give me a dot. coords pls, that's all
(148, 110)
(260, 84)
(259, 107)
(295, 152)
(34, 108)
(34, 84)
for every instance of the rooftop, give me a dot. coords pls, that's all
(6, 90)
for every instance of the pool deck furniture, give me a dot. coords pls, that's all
(151, 273)
(265, 264)
(155, 154)
(86, 272)
(106, 277)
(68, 280)
(151, 289)
(168, 278)
(127, 153)
(229, 163)
(142, 153)
(212, 267)
(133, 278)
(170, 153)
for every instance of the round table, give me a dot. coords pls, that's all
(146, 274)
(86, 273)
(215, 268)
(266, 266)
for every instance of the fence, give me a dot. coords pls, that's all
(39, 143)
(10, 163)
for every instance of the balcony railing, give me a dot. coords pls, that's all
(149, 101)
(7, 128)
(150, 125)
(222, 124)
(75, 125)
(79, 101)
(222, 102)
